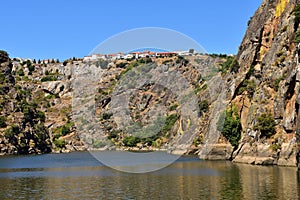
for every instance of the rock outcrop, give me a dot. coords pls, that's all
(268, 57)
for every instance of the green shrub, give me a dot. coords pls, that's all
(101, 91)
(20, 72)
(2, 78)
(3, 56)
(2, 122)
(107, 116)
(29, 113)
(173, 107)
(113, 134)
(182, 60)
(197, 89)
(60, 143)
(166, 61)
(265, 123)
(41, 115)
(31, 68)
(128, 68)
(49, 78)
(275, 147)
(25, 78)
(169, 123)
(63, 130)
(203, 106)
(12, 131)
(230, 64)
(276, 83)
(52, 96)
(130, 141)
(121, 65)
(296, 13)
(65, 62)
(249, 86)
(297, 37)
(197, 141)
(229, 124)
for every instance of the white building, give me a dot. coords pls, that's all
(94, 57)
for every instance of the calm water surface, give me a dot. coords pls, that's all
(79, 176)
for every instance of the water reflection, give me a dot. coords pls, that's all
(188, 178)
(269, 182)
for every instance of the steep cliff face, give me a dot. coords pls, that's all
(35, 107)
(21, 122)
(266, 88)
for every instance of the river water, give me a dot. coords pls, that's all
(79, 175)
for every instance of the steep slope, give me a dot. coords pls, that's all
(266, 87)
(35, 107)
(38, 99)
(22, 123)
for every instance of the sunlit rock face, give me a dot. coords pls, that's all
(268, 56)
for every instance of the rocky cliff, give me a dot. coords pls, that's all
(266, 89)
(35, 107)
(42, 103)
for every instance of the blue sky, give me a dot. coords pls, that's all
(62, 29)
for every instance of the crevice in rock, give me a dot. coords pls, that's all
(254, 62)
(291, 88)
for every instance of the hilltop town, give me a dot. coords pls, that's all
(138, 54)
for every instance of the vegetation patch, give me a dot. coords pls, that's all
(249, 86)
(59, 143)
(229, 124)
(173, 107)
(2, 122)
(203, 106)
(131, 141)
(170, 121)
(106, 116)
(49, 78)
(231, 64)
(276, 83)
(265, 124)
(63, 130)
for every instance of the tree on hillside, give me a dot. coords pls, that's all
(229, 124)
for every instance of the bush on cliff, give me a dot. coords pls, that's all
(229, 125)
(3, 56)
(230, 64)
(131, 141)
(265, 124)
(2, 122)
